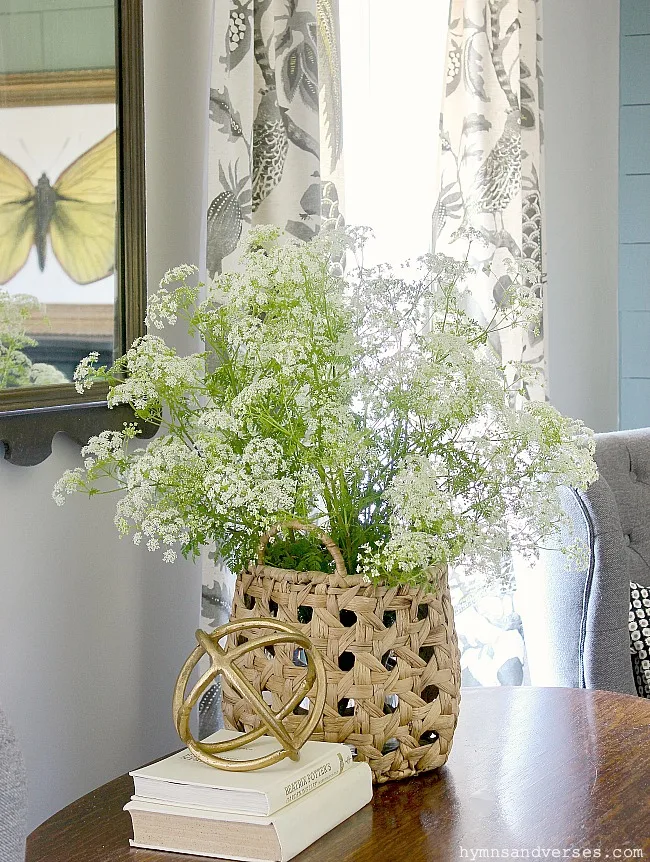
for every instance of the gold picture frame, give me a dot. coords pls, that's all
(74, 87)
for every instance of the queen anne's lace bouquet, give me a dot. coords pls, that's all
(372, 406)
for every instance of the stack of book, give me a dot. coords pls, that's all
(270, 815)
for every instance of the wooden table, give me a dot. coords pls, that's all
(555, 769)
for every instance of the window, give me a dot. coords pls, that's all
(393, 61)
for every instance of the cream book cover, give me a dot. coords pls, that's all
(182, 779)
(277, 838)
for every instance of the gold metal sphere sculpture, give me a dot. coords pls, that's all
(224, 662)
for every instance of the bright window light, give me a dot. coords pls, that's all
(393, 62)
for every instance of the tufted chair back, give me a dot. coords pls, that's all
(623, 460)
(576, 620)
(13, 796)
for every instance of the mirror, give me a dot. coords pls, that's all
(71, 192)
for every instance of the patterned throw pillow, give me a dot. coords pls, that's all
(640, 637)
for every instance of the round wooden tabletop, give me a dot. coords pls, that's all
(562, 772)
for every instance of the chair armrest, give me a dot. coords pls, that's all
(576, 619)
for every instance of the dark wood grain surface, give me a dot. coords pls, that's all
(554, 769)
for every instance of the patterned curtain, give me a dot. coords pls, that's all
(491, 137)
(275, 145)
(275, 136)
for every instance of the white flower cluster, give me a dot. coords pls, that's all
(178, 273)
(155, 373)
(371, 406)
(84, 372)
(251, 482)
(165, 306)
(70, 482)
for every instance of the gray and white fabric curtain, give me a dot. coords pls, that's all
(491, 135)
(275, 139)
(491, 148)
(274, 157)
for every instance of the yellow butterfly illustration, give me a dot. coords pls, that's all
(78, 213)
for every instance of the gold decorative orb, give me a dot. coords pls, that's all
(223, 662)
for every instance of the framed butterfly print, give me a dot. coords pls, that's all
(71, 192)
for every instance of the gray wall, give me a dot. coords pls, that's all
(93, 630)
(581, 58)
(634, 233)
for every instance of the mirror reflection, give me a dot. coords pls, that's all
(58, 188)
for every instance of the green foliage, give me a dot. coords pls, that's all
(299, 552)
(16, 369)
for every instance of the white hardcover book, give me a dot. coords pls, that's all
(184, 780)
(278, 838)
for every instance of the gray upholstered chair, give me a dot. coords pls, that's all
(13, 796)
(576, 621)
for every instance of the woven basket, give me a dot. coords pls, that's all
(391, 659)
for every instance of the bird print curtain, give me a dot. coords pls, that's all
(275, 138)
(491, 139)
(274, 157)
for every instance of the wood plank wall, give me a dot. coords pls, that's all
(634, 215)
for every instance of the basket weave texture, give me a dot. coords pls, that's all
(391, 659)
